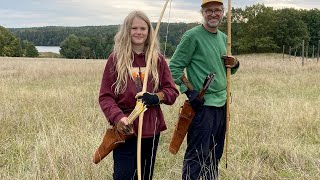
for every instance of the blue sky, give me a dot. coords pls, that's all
(38, 13)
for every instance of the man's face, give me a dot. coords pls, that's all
(212, 14)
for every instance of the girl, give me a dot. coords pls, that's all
(121, 83)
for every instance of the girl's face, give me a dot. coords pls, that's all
(139, 32)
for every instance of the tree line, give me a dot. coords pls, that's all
(93, 41)
(258, 29)
(255, 29)
(12, 46)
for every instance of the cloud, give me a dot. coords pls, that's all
(31, 13)
(297, 4)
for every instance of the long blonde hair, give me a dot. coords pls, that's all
(124, 54)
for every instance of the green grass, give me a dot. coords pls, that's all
(49, 55)
(51, 122)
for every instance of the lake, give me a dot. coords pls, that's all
(54, 49)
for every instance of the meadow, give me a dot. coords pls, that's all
(51, 122)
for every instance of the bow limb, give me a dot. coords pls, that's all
(228, 83)
(144, 88)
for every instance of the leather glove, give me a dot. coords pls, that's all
(230, 61)
(149, 99)
(123, 128)
(194, 100)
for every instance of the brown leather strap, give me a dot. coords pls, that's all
(186, 82)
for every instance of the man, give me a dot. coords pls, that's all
(202, 51)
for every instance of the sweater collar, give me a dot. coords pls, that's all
(209, 31)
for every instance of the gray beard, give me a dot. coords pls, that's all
(215, 25)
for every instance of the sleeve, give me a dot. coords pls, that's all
(180, 60)
(107, 98)
(235, 69)
(167, 85)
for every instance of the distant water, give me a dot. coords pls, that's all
(54, 49)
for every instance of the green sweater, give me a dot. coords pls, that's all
(200, 52)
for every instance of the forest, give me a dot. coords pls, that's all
(12, 46)
(255, 29)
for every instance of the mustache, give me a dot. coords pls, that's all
(209, 18)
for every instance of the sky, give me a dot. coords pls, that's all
(39, 13)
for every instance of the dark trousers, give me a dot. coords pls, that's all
(205, 142)
(125, 158)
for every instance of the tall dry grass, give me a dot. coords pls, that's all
(51, 122)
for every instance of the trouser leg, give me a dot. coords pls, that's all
(205, 142)
(148, 156)
(125, 158)
(217, 142)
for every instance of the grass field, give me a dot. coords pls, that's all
(51, 122)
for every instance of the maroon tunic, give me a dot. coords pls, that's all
(115, 107)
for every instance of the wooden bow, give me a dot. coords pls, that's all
(144, 89)
(228, 82)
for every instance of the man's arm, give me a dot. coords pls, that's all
(180, 60)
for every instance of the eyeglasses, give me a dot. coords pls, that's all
(215, 11)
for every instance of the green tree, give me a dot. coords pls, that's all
(17, 50)
(253, 28)
(9, 44)
(71, 47)
(289, 29)
(29, 49)
(312, 19)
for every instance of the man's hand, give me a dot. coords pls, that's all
(194, 100)
(123, 126)
(148, 99)
(230, 61)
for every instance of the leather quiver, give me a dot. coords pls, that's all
(110, 141)
(186, 115)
